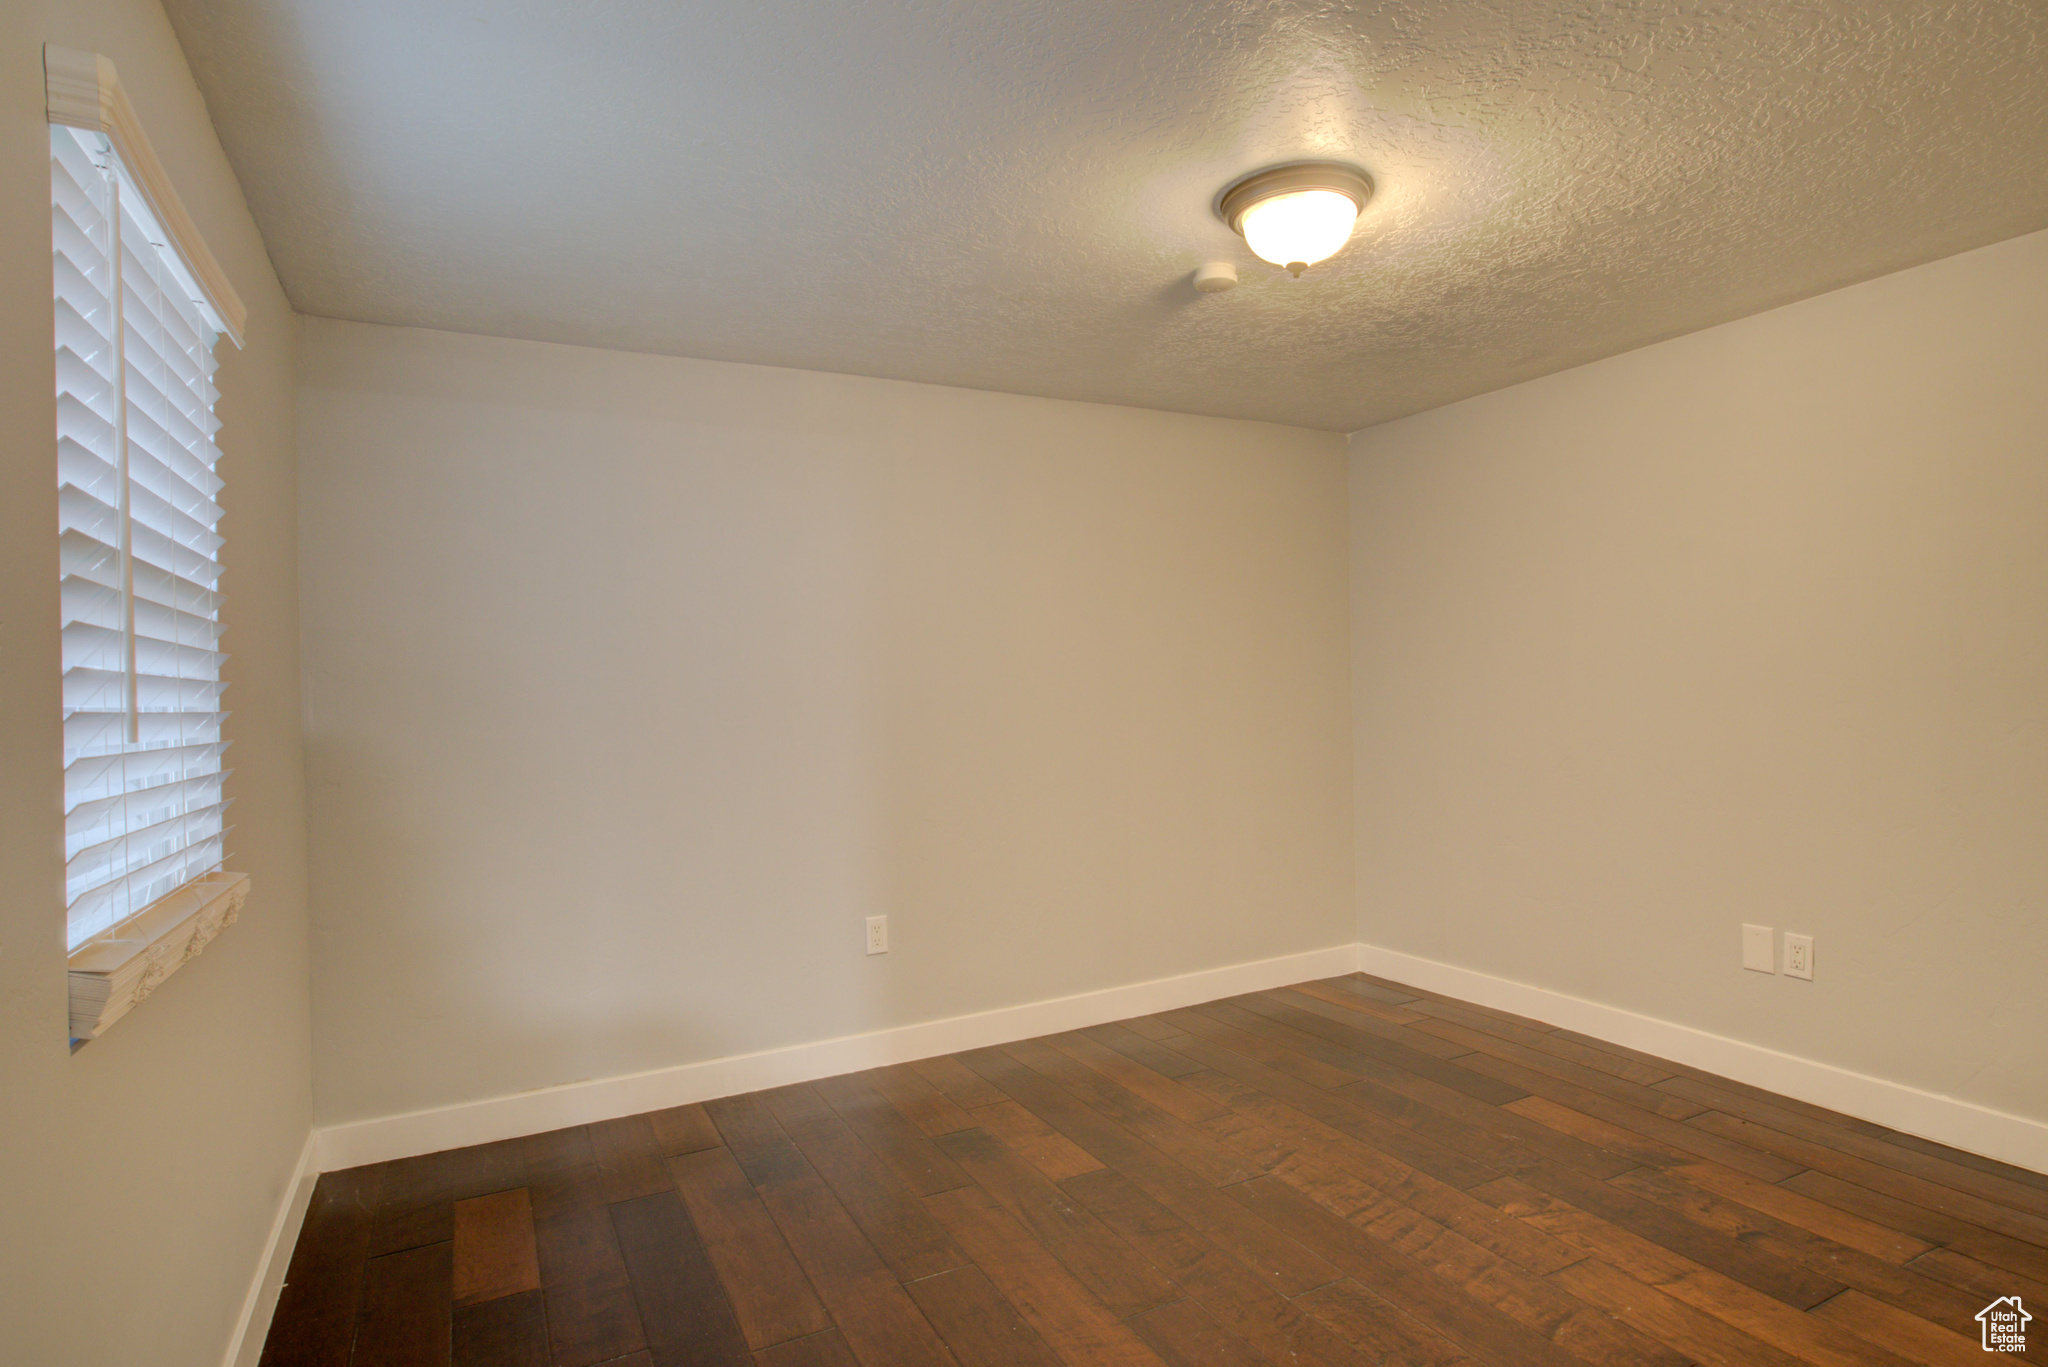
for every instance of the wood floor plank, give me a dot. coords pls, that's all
(1985, 1282)
(1350, 1049)
(1364, 1006)
(965, 1088)
(1339, 1112)
(2037, 1180)
(922, 1104)
(1986, 1246)
(917, 1161)
(1450, 1310)
(981, 1327)
(1724, 1086)
(1176, 1138)
(1744, 1308)
(1232, 1293)
(1941, 1171)
(1797, 1286)
(1889, 1327)
(404, 1321)
(315, 1321)
(1521, 1295)
(1557, 1044)
(1381, 1331)
(1265, 1052)
(1484, 1133)
(508, 1331)
(1073, 1323)
(417, 1205)
(1376, 989)
(1499, 1121)
(1322, 1156)
(1708, 1341)
(1648, 1067)
(1992, 1215)
(1349, 1026)
(591, 1314)
(819, 1350)
(771, 1297)
(590, 1317)
(526, 1161)
(1185, 1335)
(1116, 1273)
(1290, 1267)
(1858, 1270)
(1142, 1049)
(494, 1247)
(1189, 1107)
(1777, 1200)
(1472, 1013)
(1534, 1070)
(1045, 1148)
(684, 1129)
(888, 1213)
(1151, 1027)
(1644, 1138)
(867, 1303)
(629, 1158)
(1441, 1114)
(757, 1141)
(683, 1305)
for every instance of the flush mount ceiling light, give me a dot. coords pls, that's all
(1295, 216)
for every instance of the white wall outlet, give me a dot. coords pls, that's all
(878, 935)
(1757, 950)
(1798, 956)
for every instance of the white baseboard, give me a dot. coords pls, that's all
(507, 1117)
(1948, 1120)
(1944, 1119)
(245, 1345)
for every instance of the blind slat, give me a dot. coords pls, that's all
(96, 777)
(135, 810)
(105, 907)
(89, 733)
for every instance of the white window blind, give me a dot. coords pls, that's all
(138, 520)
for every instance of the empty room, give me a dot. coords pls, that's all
(878, 683)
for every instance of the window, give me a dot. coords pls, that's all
(139, 304)
(139, 541)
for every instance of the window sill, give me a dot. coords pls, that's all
(110, 976)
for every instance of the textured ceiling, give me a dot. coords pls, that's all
(1011, 194)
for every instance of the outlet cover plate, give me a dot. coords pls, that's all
(1758, 951)
(878, 935)
(1798, 956)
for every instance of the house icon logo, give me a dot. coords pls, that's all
(2005, 1325)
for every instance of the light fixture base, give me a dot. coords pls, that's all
(1243, 193)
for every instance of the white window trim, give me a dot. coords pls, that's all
(109, 976)
(112, 973)
(80, 90)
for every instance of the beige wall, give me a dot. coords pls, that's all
(1747, 626)
(634, 684)
(143, 1173)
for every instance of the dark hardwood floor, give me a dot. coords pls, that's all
(1342, 1172)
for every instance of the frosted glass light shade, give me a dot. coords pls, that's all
(1299, 229)
(1295, 216)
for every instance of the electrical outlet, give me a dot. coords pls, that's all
(1798, 956)
(878, 935)
(1757, 950)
